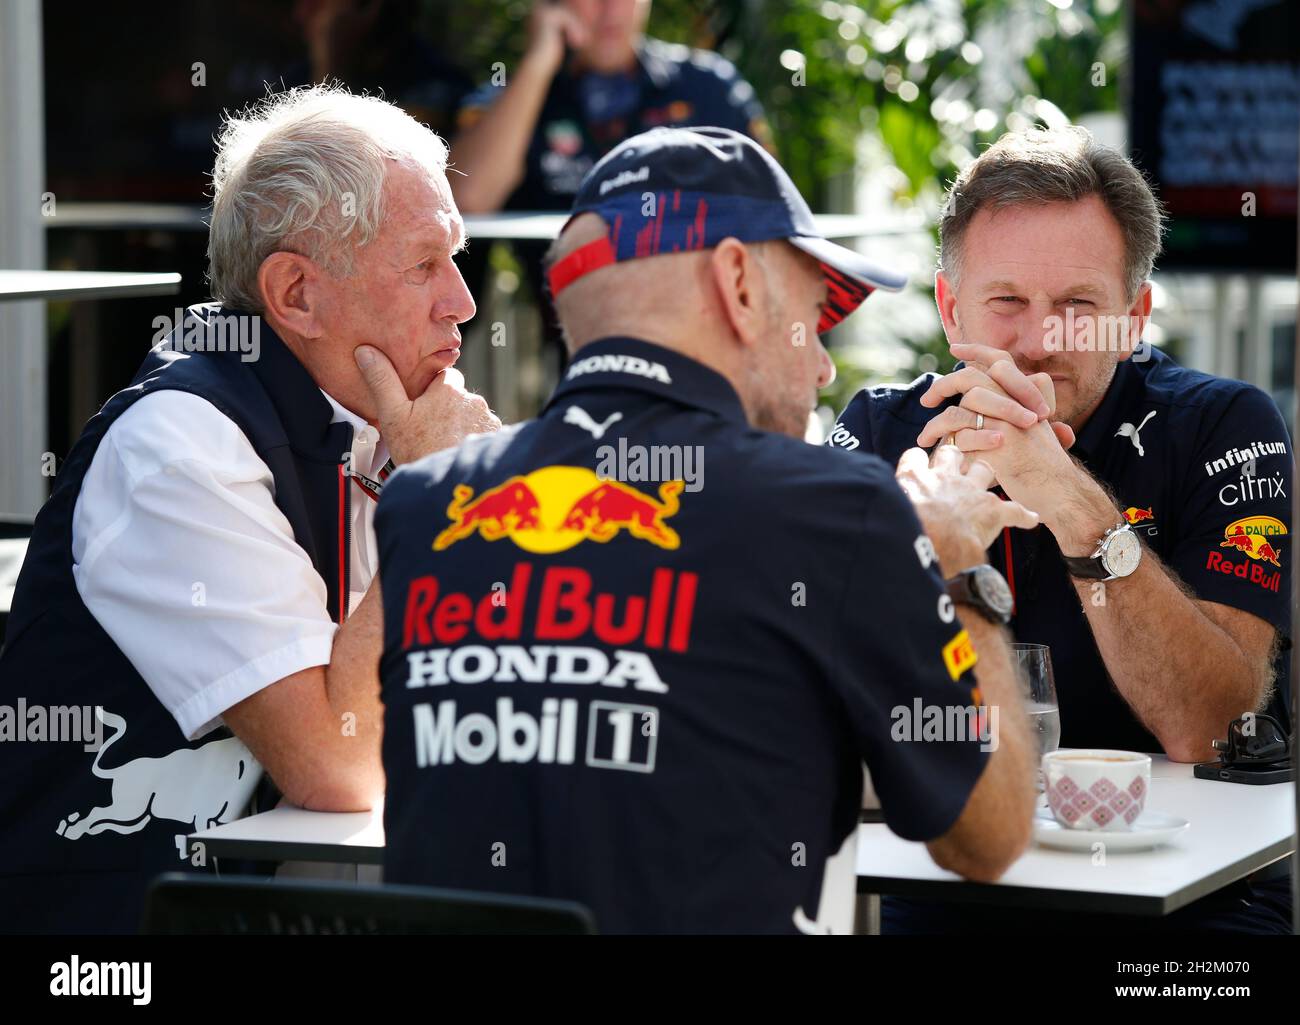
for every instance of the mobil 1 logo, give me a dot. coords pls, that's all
(622, 736)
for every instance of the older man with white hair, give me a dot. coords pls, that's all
(200, 582)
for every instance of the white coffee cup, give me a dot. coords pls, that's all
(1097, 789)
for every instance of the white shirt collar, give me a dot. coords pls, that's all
(368, 451)
(344, 415)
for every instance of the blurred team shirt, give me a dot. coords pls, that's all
(587, 114)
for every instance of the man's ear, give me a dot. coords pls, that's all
(945, 297)
(736, 276)
(288, 282)
(1139, 314)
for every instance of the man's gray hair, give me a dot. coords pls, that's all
(303, 171)
(1050, 166)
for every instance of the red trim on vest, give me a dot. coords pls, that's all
(343, 545)
(582, 260)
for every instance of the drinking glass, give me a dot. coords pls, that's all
(1034, 668)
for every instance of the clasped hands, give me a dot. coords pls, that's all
(1004, 419)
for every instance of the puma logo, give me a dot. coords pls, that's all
(1127, 430)
(195, 786)
(578, 417)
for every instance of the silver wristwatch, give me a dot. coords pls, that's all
(1118, 553)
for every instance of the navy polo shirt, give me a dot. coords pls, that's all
(1201, 468)
(636, 653)
(585, 115)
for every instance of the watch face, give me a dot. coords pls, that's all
(1122, 552)
(994, 590)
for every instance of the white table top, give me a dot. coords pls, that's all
(287, 833)
(76, 284)
(1235, 830)
(519, 225)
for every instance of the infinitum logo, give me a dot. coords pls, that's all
(102, 979)
(1237, 456)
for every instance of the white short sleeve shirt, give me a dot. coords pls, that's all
(181, 554)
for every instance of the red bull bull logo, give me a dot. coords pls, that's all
(557, 507)
(495, 514)
(1134, 515)
(1255, 536)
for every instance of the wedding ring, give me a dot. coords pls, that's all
(979, 421)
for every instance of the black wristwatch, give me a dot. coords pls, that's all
(984, 589)
(1118, 553)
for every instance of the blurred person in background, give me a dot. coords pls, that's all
(589, 78)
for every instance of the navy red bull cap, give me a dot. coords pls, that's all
(708, 184)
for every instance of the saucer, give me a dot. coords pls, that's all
(1152, 829)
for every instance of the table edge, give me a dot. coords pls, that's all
(1044, 898)
(288, 850)
(118, 291)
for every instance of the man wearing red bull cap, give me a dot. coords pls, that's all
(607, 682)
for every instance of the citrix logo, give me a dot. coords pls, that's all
(1252, 489)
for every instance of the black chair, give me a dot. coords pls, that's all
(181, 903)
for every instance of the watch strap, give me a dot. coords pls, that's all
(1091, 567)
(1085, 567)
